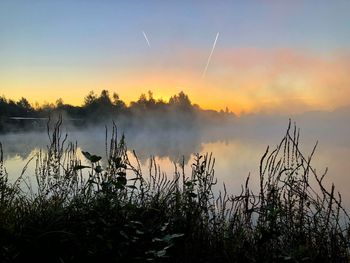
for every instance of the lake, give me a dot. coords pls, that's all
(237, 149)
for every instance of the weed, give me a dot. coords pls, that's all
(105, 209)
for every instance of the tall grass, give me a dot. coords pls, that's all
(107, 210)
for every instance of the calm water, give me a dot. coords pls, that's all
(237, 150)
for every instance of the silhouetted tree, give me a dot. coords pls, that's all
(140, 104)
(181, 102)
(177, 112)
(23, 103)
(59, 103)
(118, 103)
(104, 99)
(90, 98)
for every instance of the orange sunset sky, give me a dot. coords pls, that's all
(270, 56)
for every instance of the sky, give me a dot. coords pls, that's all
(273, 56)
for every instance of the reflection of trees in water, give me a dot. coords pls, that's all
(174, 144)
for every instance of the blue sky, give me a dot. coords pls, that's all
(107, 35)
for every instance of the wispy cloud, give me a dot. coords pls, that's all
(146, 38)
(244, 79)
(211, 53)
(252, 79)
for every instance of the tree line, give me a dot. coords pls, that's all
(177, 111)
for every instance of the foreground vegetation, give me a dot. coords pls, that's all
(109, 211)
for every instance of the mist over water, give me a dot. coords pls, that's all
(237, 147)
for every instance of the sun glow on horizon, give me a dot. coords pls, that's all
(264, 63)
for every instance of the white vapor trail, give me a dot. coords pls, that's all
(144, 34)
(211, 53)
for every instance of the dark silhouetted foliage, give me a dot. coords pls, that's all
(178, 112)
(107, 210)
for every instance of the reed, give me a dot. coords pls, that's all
(106, 209)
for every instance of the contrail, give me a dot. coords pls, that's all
(144, 34)
(211, 53)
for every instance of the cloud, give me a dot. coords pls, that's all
(243, 79)
(252, 79)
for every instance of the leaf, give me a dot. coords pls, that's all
(124, 235)
(98, 169)
(95, 158)
(139, 232)
(169, 238)
(156, 239)
(164, 227)
(189, 183)
(119, 185)
(91, 158)
(122, 180)
(86, 154)
(161, 253)
(167, 247)
(79, 167)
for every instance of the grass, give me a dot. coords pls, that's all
(108, 211)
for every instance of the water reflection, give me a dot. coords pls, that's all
(173, 144)
(237, 149)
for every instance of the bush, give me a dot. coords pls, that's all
(113, 213)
